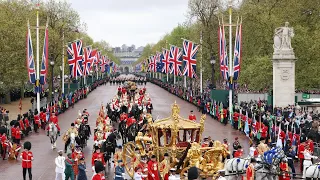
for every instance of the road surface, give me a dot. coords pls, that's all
(43, 167)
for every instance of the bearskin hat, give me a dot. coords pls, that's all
(193, 173)
(27, 145)
(17, 124)
(98, 166)
(13, 122)
(72, 124)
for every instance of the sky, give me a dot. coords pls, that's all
(129, 22)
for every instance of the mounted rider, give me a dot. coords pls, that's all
(67, 135)
(130, 121)
(85, 114)
(55, 121)
(123, 116)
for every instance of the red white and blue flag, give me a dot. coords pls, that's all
(97, 61)
(30, 59)
(44, 62)
(158, 60)
(88, 60)
(190, 50)
(75, 60)
(175, 60)
(237, 53)
(165, 61)
(93, 58)
(103, 64)
(223, 55)
(152, 64)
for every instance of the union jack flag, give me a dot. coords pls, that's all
(190, 50)
(75, 53)
(237, 53)
(223, 54)
(152, 64)
(93, 57)
(88, 60)
(44, 63)
(103, 64)
(30, 60)
(165, 61)
(175, 60)
(97, 61)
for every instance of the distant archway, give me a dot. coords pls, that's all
(126, 69)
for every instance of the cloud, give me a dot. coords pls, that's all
(130, 21)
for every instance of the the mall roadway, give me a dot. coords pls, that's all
(43, 166)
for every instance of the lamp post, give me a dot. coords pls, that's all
(52, 86)
(212, 62)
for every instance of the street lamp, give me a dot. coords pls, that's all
(52, 86)
(212, 62)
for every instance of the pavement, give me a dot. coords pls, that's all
(13, 107)
(43, 166)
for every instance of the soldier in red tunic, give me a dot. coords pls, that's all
(97, 156)
(27, 157)
(153, 172)
(192, 117)
(17, 135)
(55, 121)
(284, 170)
(250, 170)
(123, 116)
(301, 148)
(4, 144)
(27, 124)
(43, 118)
(76, 156)
(37, 122)
(130, 121)
(99, 171)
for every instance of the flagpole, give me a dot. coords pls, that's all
(174, 79)
(230, 59)
(200, 64)
(185, 81)
(38, 63)
(62, 78)
(167, 60)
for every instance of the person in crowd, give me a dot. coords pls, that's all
(69, 174)
(138, 175)
(173, 174)
(192, 116)
(290, 156)
(284, 170)
(27, 158)
(82, 175)
(119, 171)
(235, 145)
(60, 166)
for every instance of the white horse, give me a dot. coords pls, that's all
(235, 167)
(73, 143)
(53, 135)
(313, 171)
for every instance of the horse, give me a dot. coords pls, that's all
(84, 134)
(236, 166)
(131, 132)
(122, 130)
(53, 135)
(109, 146)
(72, 141)
(313, 171)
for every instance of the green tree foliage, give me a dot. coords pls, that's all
(260, 18)
(62, 20)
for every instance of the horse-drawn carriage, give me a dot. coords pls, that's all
(180, 138)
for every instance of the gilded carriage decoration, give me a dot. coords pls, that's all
(180, 138)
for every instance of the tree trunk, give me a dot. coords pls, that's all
(7, 97)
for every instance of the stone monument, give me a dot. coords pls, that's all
(283, 67)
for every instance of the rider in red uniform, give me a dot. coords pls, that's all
(55, 121)
(123, 116)
(192, 117)
(130, 121)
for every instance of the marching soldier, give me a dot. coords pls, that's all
(97, 156)
(99, 168)
(27, 157)
(76, 156)
(153, 172)
(4, 145)
(17, 135)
